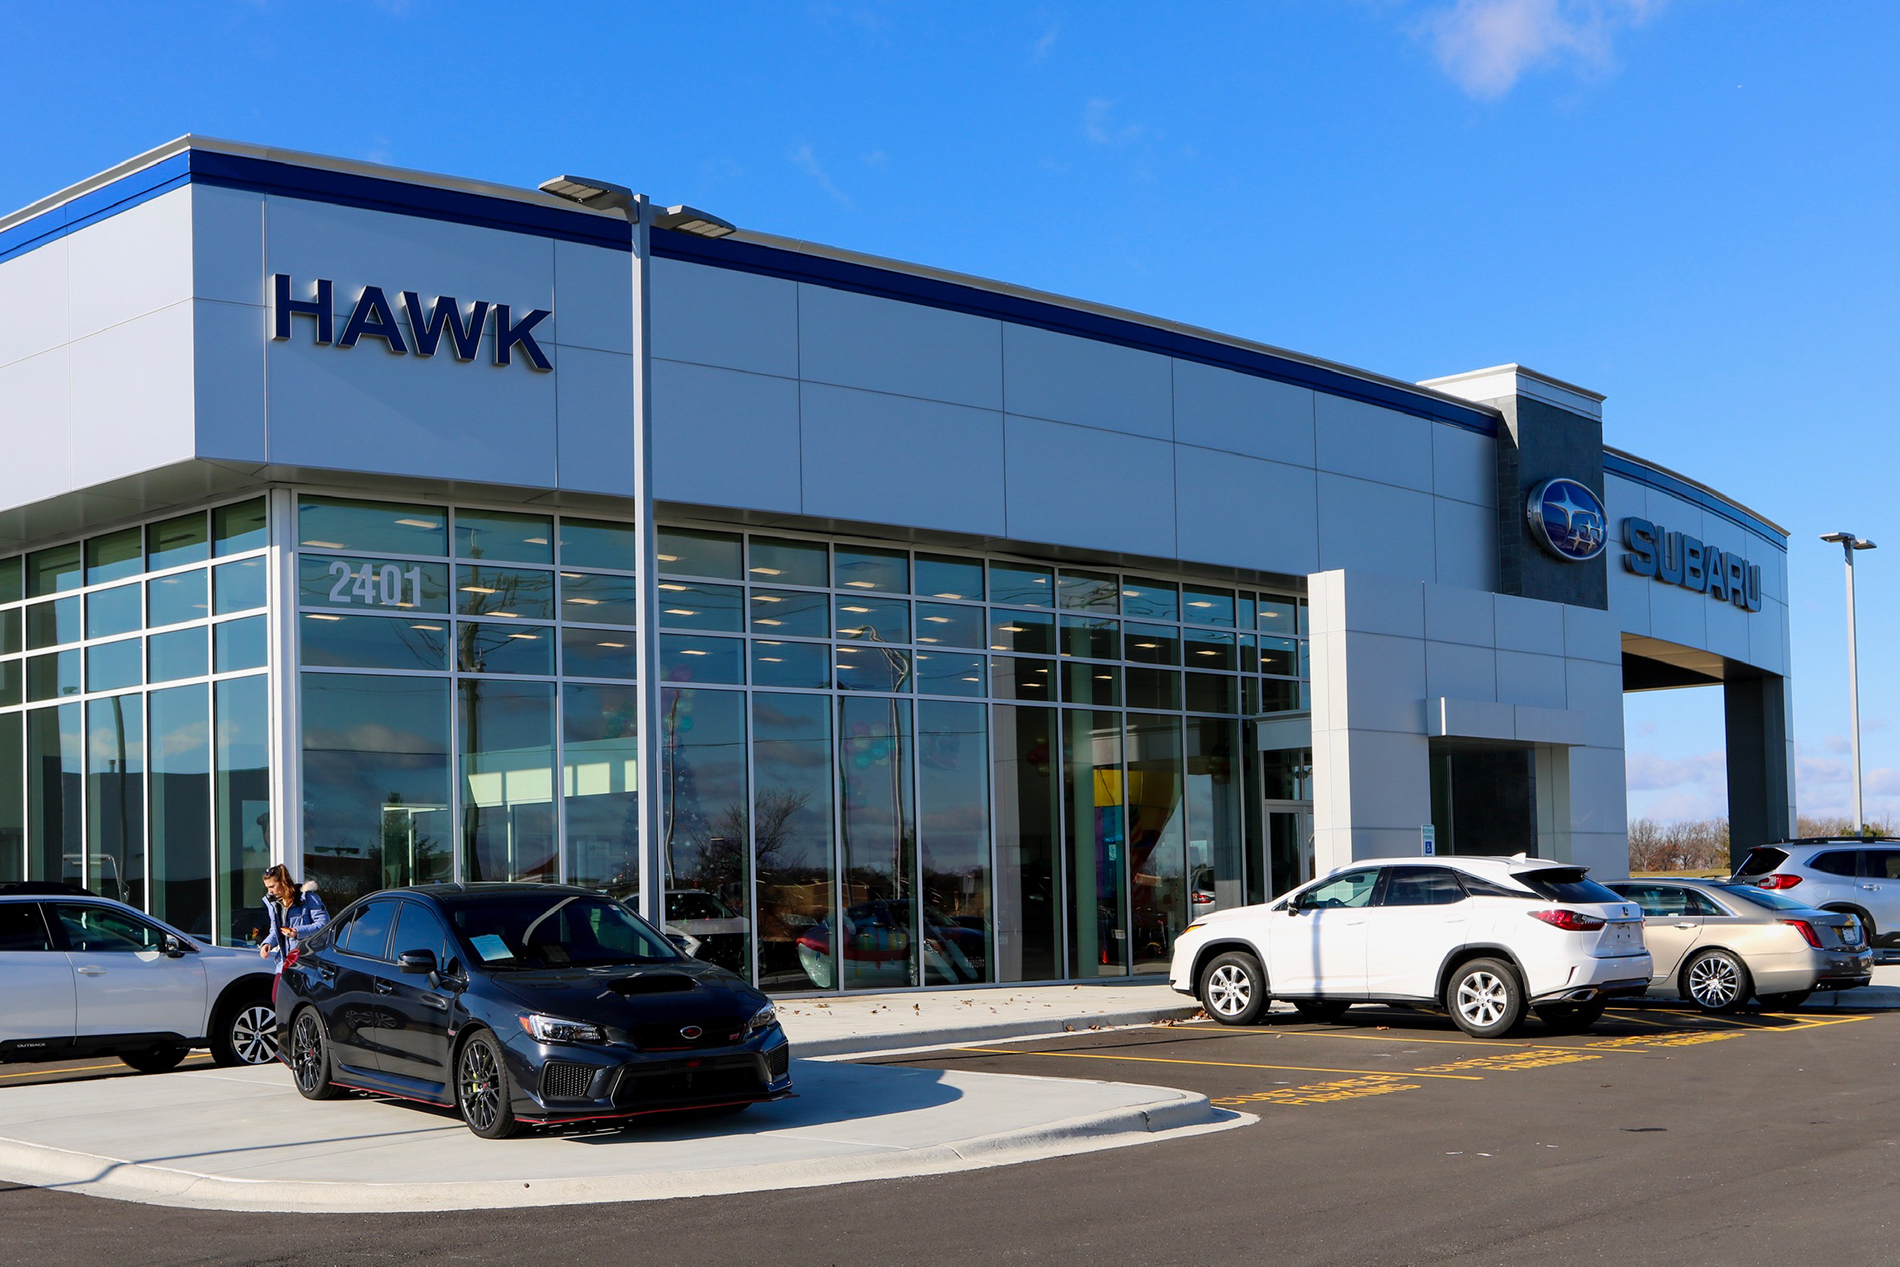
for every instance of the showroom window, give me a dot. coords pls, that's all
(135, 717)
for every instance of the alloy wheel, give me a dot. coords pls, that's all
(481, 1089)
(1482, 998)
(254, 1034)
(1228, 990)
(1713, 981)
(306, 1053)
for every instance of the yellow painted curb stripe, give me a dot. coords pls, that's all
(1222, 1064)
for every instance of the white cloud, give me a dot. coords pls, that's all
(1040, 49)
(1488, 45)
(1100, 126)
(808, 163)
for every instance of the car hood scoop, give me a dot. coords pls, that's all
(652, 983)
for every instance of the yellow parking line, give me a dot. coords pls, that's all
(1493, 1044)
(1804, 1023)
(44, 1073)
(1221, 1064)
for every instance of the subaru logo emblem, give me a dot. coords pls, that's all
(1567, 519)
(691, 1032)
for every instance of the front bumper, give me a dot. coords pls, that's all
(575, 1082)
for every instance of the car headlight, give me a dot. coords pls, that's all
(552, 1029)
(763, 1019)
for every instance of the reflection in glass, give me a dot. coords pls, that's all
(1208, 606)
(1022, 584)
(372, 584)
(1215, 839)
(1089, 591)
(115, 556)
(1153, 644)
(115, 798)
(685, 658)
(239, 644)
(1096, 844)
(242, 752)
(1209, 649)
(181, 807)
(53, 676)
(595, 599)
(239, 527)
(596, 543)
(52, 571)
(806, 664)
(949, 673)
(953, 820)
(873, 619)
(1030, 632)
(11, 639)
(12, 797)
(685, 552)
(703, 820)
(947, 576)
(51, 623)
(1091, 637)
(600, 781)
(504, 536)
(375, 642)
(54, 795)
(175, 655)
(1288, 774)
(172, 600)
(952, 625)
(1098, 684)
(785, 562)
(375, 783)
(11, 678)
(1156, 600)
(1280, 695)
(504, 648)
(791, 614)
(862, 568)
(1279, 656)
(515, 593)
(1031, 680)
(236, 587)
(331, 523)
(874, 668)
(506, 754)
(792, 837)
(599, 653)
(113, 611)
(1156, 839)
(876, 931)
(1027, 903)
(113, 665)
(709, 607)
(11, 572)
(1212, 693)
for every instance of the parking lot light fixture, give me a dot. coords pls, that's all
(1849, 543)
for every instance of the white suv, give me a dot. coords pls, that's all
(1483, 938)
(87, 976)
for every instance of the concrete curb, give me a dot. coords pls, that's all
(1173, 1114)
(958, 1035)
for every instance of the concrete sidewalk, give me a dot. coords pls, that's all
(841, 1025)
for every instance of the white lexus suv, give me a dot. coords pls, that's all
(1486, 939)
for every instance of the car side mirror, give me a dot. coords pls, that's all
(416, 961)
(173, 947)
(685, 943)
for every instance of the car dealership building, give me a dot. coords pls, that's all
(989, 635)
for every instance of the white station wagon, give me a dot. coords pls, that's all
(1486, 939)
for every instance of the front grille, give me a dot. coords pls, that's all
(717, 1031)
(778, 1062)
(566, 1080)
(662, 1083)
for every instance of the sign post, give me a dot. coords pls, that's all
(1428, 835)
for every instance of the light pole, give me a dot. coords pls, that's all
(644, 217)
(1850, 543)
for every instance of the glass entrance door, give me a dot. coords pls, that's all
(1289, 851)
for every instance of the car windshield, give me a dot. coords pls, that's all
(1566, 884)
(1761, 860)
(1761, 897)
(556, 930)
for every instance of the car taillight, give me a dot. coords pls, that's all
(1806, 930)
(1569, 921)
(1778, 882)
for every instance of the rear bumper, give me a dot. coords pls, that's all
(1619, 977)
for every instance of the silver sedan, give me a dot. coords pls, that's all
(1719, 944)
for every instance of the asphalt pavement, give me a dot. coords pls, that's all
(1392, 1138)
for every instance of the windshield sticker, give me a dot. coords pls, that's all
(491, 948)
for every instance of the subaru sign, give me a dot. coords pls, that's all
(1567, 519)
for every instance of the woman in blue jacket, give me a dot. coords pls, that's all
(293, 911)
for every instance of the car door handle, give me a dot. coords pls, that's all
(385, 987)
(1685, 925)
(435, 1001)
(90, 970)
(1871, 888)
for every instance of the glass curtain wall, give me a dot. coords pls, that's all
(468, 697)
(135, 717)
(886, 767)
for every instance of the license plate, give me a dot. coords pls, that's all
(1625, 933)
(1849, 935)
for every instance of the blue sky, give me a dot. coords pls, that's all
(1684, 204)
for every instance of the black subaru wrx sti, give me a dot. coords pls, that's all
(522, 1004)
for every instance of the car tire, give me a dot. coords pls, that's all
(1784, 1002)
(484, 1093)
(246, 1031)
(1569, 1018)
(1716, 981)
(1485, 997)
(1234, 988)
(1320, 1009)
(309, 1057)
(155, 1059)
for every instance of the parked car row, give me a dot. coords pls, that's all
(1493, 940)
